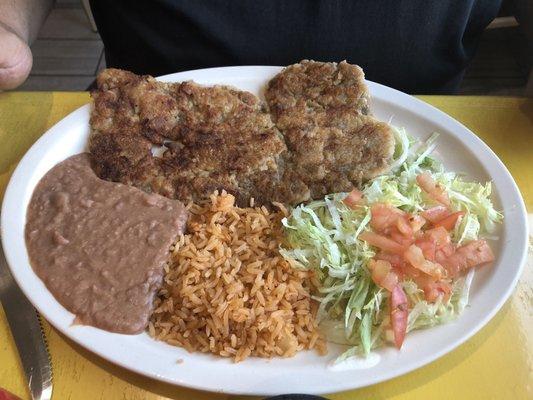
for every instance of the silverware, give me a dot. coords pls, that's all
(28, 334)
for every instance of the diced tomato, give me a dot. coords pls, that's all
(381, 242)
(454, 264)
(353, 199)
(444, 252)
(407, 250)
(436, 213)
(416, 222)
(450, 221)
(396, 260)
(383, 275)
(470, 255)
(476, 252)
(415, 257)
(439, 236)
(384, 216)
(398, 237)
(428, 248)
(434, 190)
(404, 226)
(421, 279)
(414, 273)
(389, 281)
(398, 315)
(433, 290)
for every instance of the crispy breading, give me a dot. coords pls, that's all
(215, 137)
(219, 137)
(322, 109)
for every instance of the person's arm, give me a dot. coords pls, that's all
(20, 21)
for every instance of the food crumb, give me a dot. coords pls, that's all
(179, 361)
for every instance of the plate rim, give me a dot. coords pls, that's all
(437, 116)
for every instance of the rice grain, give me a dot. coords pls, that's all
(228, 291)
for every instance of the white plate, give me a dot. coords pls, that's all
(459, 148)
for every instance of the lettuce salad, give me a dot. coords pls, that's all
(323, 236)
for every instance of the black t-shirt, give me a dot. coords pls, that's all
(418, 46)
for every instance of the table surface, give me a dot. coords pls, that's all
(496, 363)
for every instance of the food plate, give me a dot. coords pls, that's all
(459, 149)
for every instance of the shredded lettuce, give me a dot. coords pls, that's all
(323, 235)
(424, 314)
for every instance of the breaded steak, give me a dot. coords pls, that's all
(318, 137)
(215, 137)
(323, 112)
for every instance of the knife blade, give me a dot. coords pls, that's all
(28, 334)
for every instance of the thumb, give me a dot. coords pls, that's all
(15, 60)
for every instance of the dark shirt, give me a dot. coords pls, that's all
(418, 46)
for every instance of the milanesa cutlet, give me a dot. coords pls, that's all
(214, 138)
(315, 137)
(322, 109)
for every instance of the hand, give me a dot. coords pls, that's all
(15, 59)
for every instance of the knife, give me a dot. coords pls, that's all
(28, 334)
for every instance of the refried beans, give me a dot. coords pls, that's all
(100, 247)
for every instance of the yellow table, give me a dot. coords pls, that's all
(497, 363)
